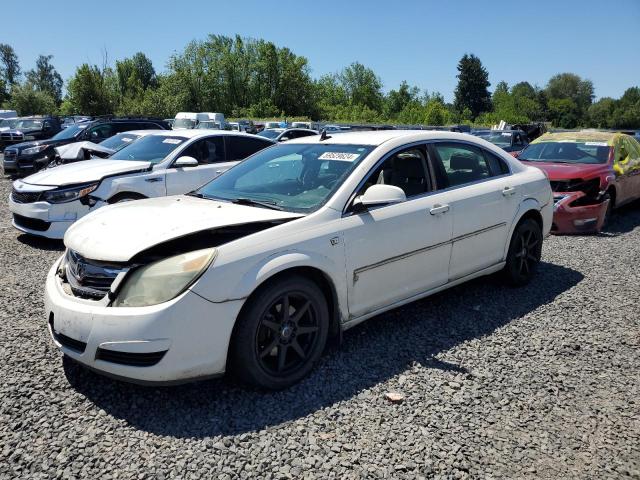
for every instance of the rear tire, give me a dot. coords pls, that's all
(525, 251)
(280, 334)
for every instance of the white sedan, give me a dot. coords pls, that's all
(255, 270)
(162, 162)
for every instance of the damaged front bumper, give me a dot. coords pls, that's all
(573, 214)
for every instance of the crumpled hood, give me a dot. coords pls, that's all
(75, 151)
(568, 171)
(84, 172)
(118, 232)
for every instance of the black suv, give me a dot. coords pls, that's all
(29, 157)
(31, 128)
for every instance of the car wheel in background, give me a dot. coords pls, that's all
(524, 253)
(280, 333)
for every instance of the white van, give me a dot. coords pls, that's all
(216, 117)
(8, 114)
(186, 120)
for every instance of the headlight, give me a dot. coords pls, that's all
(161, 281)
(68, 194)
(34, 150)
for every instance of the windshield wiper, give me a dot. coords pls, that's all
(196, 194)
(256, 203)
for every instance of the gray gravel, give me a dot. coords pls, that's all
(540, 382)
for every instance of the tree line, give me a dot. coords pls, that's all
(245, 77)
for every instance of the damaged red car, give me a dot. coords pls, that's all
(591, 173)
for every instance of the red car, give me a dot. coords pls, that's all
(591, 173)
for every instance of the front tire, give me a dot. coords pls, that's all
(280, 334)
(525, 251)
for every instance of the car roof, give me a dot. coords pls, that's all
(588, 135)
(202, 132)
(378, 137)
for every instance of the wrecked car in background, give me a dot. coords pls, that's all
(511, 141)
(591, 173)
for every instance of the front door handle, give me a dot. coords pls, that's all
(154, 179)
(438, 209)
(507, 191)
(218, 172)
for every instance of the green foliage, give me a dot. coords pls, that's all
(91, 91)
(26, 99)
(9, 66)
(46, 78)
(472, 91)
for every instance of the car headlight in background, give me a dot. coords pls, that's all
(69, 194)
(163, 280)
(34, 150)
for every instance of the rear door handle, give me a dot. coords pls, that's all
(154, 179)
(438, 209)
(507, 191)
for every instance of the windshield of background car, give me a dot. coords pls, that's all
(119, 141)
(500, 139)
(152, 148)
(183, 123)
(271, 134)
(566, 152)
(29, 124)
(69, 132)
(294, 177)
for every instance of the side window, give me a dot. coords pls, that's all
(517, 140)
(306, 134)
(497, 166)
(46, 125)
(239, 148)
(406, 169)
(206, 151)
(459, 163)
(100, 133)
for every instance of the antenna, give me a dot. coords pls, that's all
(323, 134)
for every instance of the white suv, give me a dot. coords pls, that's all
(163, 162)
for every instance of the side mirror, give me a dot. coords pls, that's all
(378, 195)
(186, 161)
(516, 153)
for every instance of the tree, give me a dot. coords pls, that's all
(564, 112)
(9, 65)
(472, 90)
(91, 91)
(29, 100)
(569, 86)
(135, 73)
(398, 100)
(362, 86)
(46, 78)
(600, 113)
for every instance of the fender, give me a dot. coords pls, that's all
(267, 267)
(526, 205)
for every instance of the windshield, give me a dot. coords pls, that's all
(298, 178)
(119, 141)
(271, 134)
(69, 132)
(8, 123)
(566, 152)
(29, 124)
(184, 123)
(502, 139)
(152, 148)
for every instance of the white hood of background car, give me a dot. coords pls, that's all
(118, 232)
(75, 151)
(84, 172)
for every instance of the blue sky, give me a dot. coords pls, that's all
(417, 41)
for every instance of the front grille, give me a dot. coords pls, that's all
(12, 137)
(131, 359)
(25, 197)
(89, 278)
(31, 223)
(68, 342)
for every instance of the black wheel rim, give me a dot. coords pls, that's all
(287, 334)
(527, 253)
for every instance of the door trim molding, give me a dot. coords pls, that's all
(411, 253)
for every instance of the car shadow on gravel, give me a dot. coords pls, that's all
(370, 354)
(624, 220)
(41, 243)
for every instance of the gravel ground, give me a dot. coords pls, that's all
(539, 382)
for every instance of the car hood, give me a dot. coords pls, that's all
(35, 143)
(84, 172)
(568, 171)
(76, 150)
(118, 232)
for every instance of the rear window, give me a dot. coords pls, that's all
(567, 152)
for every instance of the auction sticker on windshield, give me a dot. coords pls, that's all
(173, 141)
(340, 156)
(595, 144)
